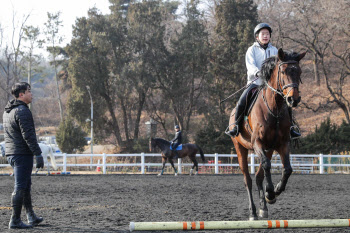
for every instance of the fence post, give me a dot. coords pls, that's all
(252, 164)
(321, 163)
(142, 163)
(216, 163)
(104, 161)
(64, 162)
(179, 165)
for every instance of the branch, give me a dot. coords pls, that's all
(320, 105)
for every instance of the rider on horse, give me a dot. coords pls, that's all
(177, 140)
(255, 56)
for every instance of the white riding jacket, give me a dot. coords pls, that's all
(254, 59)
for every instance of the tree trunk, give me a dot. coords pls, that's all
(58, 88)
(142, 99)
(316, 71)
(30, 78)
(115, 124)
(337, 96)
(125, 118)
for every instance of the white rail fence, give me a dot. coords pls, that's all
(300, 162)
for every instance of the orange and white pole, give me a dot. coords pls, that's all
(225, 225)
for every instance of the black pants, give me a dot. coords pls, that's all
(242, 102)
(175, 145)
(22, 170)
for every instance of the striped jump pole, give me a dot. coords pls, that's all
(227, 225)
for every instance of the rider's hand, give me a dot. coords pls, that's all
(39, 161)
(258, 74)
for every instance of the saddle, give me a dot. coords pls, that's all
(251, 100)
(179, 147)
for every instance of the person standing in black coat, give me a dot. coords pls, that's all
(21, 145)
(177, 140)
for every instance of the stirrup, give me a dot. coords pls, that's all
(294, 132)
(230, 132)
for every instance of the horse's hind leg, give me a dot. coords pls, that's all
(242, 154)
(287, 170)
(164, 161)
(195, 164)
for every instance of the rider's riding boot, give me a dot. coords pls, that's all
(176, 155)
(293, 133)
(238, 116)
(32, 218)
(17, 202)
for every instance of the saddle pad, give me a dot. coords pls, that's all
(177, 148)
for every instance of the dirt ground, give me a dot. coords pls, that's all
(108, 203)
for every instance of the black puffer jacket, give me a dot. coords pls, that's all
(177, 138)
(20, 136)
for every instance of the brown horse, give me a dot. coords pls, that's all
(268, 127)
(189, 150)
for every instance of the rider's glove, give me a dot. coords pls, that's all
(39, 161)
(258, 74)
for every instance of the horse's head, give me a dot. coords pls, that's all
(288, 76)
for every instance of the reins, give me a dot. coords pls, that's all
(279, 91)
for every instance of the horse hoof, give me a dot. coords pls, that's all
(253, 218)
(159, 174)
(273, 201)
(263, 213)
(196, 173)
(175, 174)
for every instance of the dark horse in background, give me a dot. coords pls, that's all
(189, 150)
(268, 126)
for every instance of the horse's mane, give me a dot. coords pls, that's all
(270, 63)
(161, 140)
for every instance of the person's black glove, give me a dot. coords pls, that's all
(39, 161)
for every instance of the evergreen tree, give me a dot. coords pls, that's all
(89, 64)
(186, 70)
(236, 20)
(70, 137)
(328, 138)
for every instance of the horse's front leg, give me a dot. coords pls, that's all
(287, 170)
(265, 162)
(259, 175)
(259, 178)
(164, 161)
(172, 164)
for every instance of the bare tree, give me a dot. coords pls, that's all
(53, 25)
(11, 58)
(31, 35)
(314, 25)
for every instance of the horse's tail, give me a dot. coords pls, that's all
(202, 154)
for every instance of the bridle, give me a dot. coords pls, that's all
(280, 89)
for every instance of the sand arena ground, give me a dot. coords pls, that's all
(108, 203)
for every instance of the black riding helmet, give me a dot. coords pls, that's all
(261, 26)
(177, 127)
